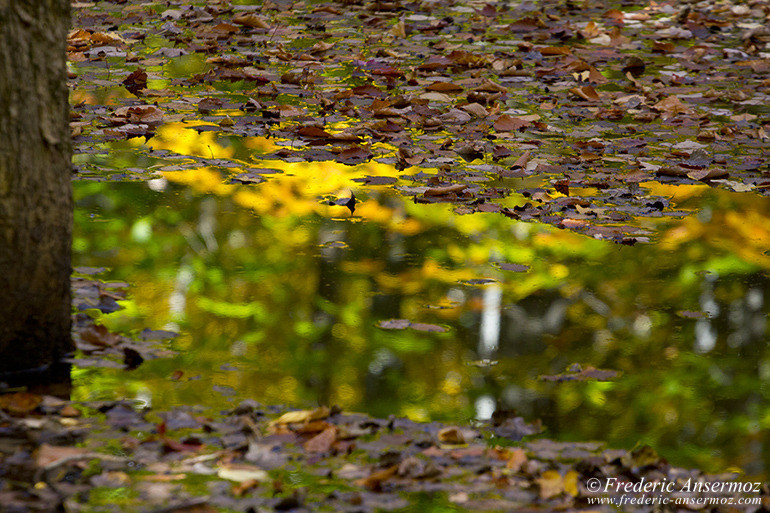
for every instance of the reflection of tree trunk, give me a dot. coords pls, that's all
(35, 189)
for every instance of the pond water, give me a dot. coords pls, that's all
(411, 309)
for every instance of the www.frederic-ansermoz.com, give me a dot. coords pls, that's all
(690, 493)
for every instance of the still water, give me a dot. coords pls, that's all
(285, 299)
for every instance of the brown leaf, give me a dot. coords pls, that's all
(586, 92)
(99, 335)
(451, 435)
(555, 50)
(522, 161)
(517, 458)
(354, 155)
(136, 81)
(323, 441)
(48, 455)
(433, 328)
(663, 47)
(490, 87)
(20, 403)
(251, 20)
(321, 47)
(138, 114)
(313, 132)
(517, 268)
(578, 373)
(671, 106)
(444, 87)
(447, 189)
(375, 480)
(207, 105)
(708, 173)
(288, 111)
(476, 109)
(506, 123)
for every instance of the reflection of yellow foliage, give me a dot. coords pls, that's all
(432, 270)
(181, 138)
(738, 227)
(676, 193)
(202, 179)
(751, 229)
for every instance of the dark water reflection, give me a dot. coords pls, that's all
(283, 307)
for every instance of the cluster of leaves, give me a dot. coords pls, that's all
(96, 345)
(250, 458)
(592, 100)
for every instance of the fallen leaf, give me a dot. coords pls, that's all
(394, 324)
(354, 155)
(323, 441)
(671, 106)
(444, 87)
(521, 162)
(451, 435)
(138, 114)
(517, 458)
(49, 455)
(136, 81)
(242, 472)
(447, 189)
(586, 92)
(375, 480)
(251, 20)
(517, 268)
(506, 123)
(20, 403)
(302, 416)
(577, 373)
(551, 484)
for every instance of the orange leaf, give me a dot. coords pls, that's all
(444, 87)
(20, 403)
(506, 123)
(375, 480)
(323, 441)
(517, 459)
(522, 161)
(586, 92)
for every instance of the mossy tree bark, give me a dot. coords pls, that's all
(35, 187)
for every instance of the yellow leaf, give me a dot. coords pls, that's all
(551, 484)
(242, 472)
(302, 416)
(570, 483)
(451, 435)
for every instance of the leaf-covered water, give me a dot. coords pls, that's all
(234, 141)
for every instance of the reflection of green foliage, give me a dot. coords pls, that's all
(297, 318)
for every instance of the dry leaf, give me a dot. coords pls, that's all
(551, 484)
(242, 472)
(451, 435)
(447, 189)
(48, 455)
(323, 441)
(586, 92)
(20, 403)
(506, 123)
(517, 459)
(374, 481)
(302, 416)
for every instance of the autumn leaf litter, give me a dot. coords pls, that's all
(465, 100)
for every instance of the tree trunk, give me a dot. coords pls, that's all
(35, 188)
